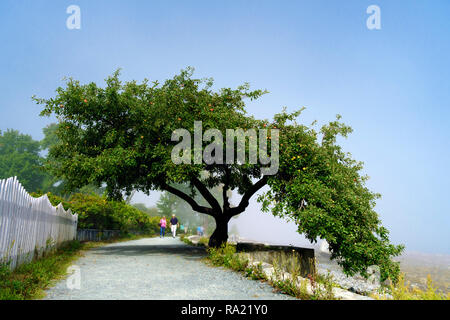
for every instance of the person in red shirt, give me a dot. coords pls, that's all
(162, 224)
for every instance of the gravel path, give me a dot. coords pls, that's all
(155, 268)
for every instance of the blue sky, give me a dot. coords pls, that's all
(391, 85)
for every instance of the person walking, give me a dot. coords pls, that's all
(162, 224)
(174, 225)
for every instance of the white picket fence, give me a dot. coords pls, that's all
(30, 226)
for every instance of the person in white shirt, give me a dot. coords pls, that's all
(173, 225)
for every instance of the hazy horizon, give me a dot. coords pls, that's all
(270, 229)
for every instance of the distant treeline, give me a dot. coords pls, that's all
(26, 158)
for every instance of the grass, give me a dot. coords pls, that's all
(286, 277)
(255, 272)
(185, 239)
(226, 256)
(321, 287)
(29, 280)
(202, 242)
(402, 290)
(291, 287)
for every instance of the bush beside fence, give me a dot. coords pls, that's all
(97, 212)
(96, 234)
(29, 226)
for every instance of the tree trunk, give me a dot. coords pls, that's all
(220, 235)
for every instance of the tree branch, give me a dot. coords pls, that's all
(226, 185)
(246, 197)
(206, 194)
(194, 205)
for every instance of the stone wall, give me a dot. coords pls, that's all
(287, 257)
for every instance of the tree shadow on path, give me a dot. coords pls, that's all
(183, 250)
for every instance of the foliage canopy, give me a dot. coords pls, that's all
(121, 135)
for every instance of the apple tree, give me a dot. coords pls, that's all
(121, 136)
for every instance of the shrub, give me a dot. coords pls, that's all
(97, 212)
(255, 272)
(286, 276)
(226, 256)
(403, 291)
(203, 241)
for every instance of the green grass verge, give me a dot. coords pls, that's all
(402, 290)
(227, 257)
(29, 280)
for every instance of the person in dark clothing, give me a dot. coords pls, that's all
(173, 225)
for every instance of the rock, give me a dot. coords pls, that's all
(339, 293)
(194, 239)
